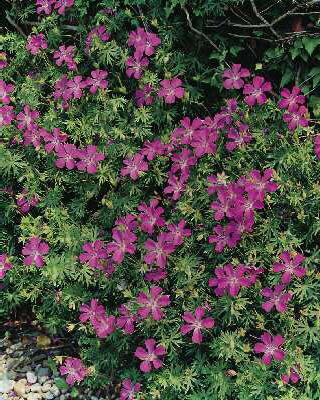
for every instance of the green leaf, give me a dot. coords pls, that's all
(61, 383)
(310, 43)
(287, 77)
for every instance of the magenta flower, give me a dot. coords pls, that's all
(290, 266)
(144, 41)
(152, 303)
(126, 320)
(296, 118)
(176, 186)
(143, 96)
(61, 89)
(137, 37)
(151, 216)
(75, 86)
(183, 161)
(203, 142)
(65, 55)
(97, 80)
(45, 6)
(5, 89)
(91, 311)
(127, 223)
(3, 60)
(293, 376)
(158, 251)
(156, 275)
(178, 232)
(128, 389)
(36, 43)
(135, 65)
(34, 250)
(27, 118)
(25, 202)
(94, 254)
(6, 115)
(62, 5)
(171, 90)
(5, 265)
(104, 325)
(229, 279)
(67, 154)
(135, 166)
(238, 137)
(278, 298)
(196, 323)
(233, 77)
(32, 137)
(123, 243)
(153, 149)
(89, 159)
(261, 184)
(54, 139)
(270, 346)
(99, 32)
(151, 356)
(224, 236)
(185, 134)
(216, 183)
(290, 100)
(255, 91)
(74, 369)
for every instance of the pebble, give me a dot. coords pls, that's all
(49, 396)
(31, 377)
(43, 372)
(6, 385)
(55, 390)
(20, 387)
(36, 387)
(43, 379)
(34, 396)
(46, 387)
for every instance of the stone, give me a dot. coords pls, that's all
(48, 396)
(43, 372)
(31, 377)
(46, 387)
(43, 379)
(36, 387)
(12, 375)
(20, 387)
(55, 390)
(6, 385)
(34, 396)
(62, 397)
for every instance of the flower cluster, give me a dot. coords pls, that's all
(99, 32)
(5, 265)
(293, 102)
(47, 6)
(237, 201)
(34, 251)
(36, 43)
(74, 369)
(5, 90)
(25, 202)
(65, 55)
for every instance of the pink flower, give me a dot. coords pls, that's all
(135, 65)
(151, 357)
(92, 311)
(94, 254)
(290, 100)
(135, 166)
(233, 77)
(6, 115)
(296, 118)
(74, 369)
(123, 243)
(270, 346)
(261, 184)
(224, 236)
(36, 43)
(185, 134)
(255, 91)
(183, 161)
(153, 149)
(216, 183)
(203, 142)
(171, 89)
(278, 298)
(144, 41)
(54, 139)
(153, 302)
(137, 37)
(99, 32)
(5, 265)
(75, 86)
(143, 96)
(158, 251)
(290, 266)
(89, 159)
(176, 186)
(196, 323)
(34, 250)
(294, 376)
(127, 223)
(25, 201)
(45, 6)
(3, 60)
(156, 275)
(104, 325)
(5, 89)
(62, 5)
(129, 389)
(97, 80)
(178, 232)
(67, 154)
(126, 320)
(65, 55)
(27, 118)
(151, 216)
(33, 137)
(61, 89)
(239, 137)
(229, 279)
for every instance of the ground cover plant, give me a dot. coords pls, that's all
(159, 209)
